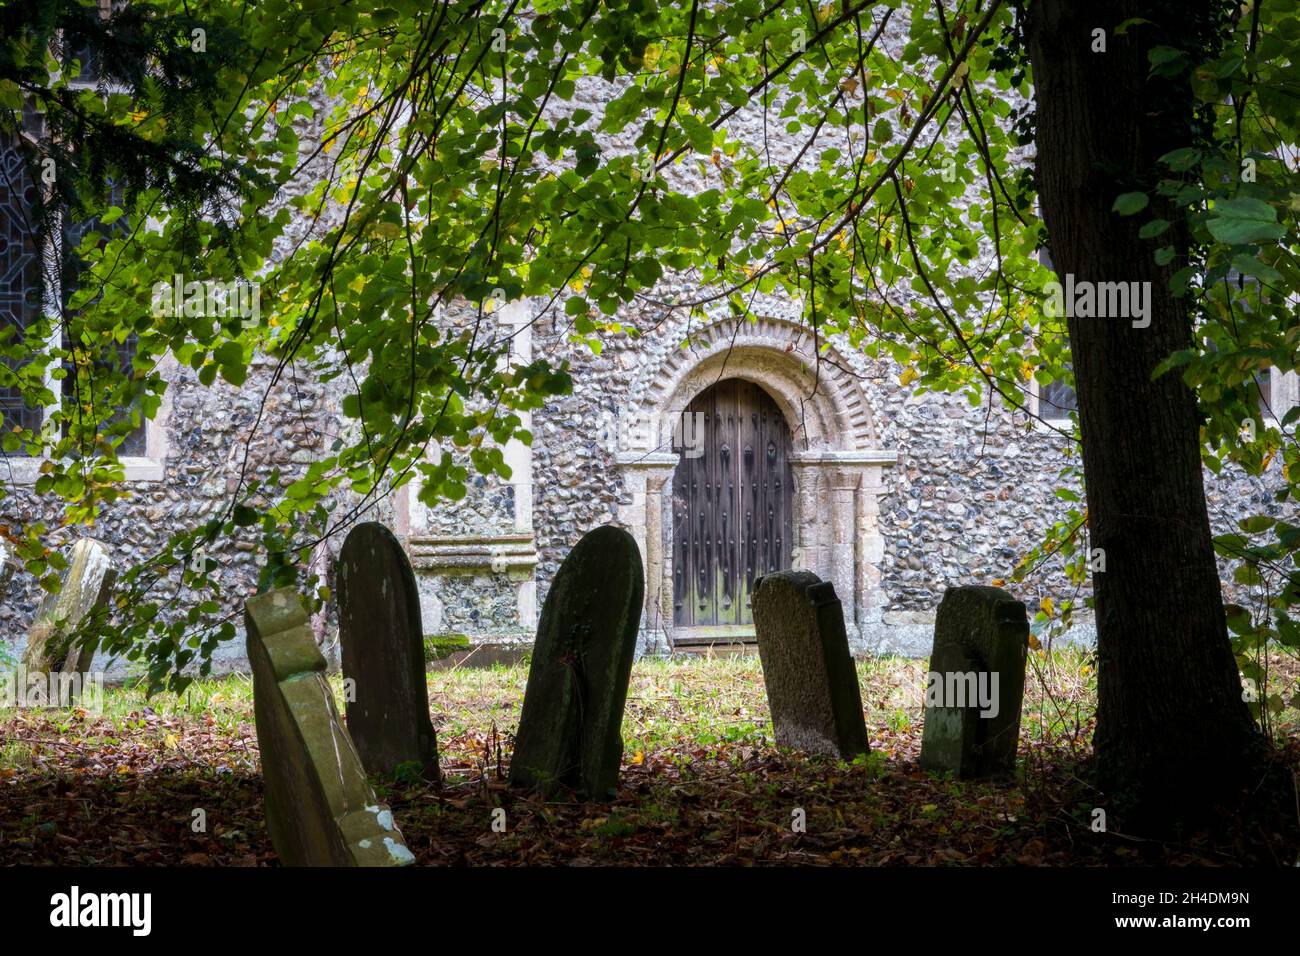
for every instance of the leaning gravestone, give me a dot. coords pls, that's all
(86, 588)
(383, 653)
(582, 661)
(320, 808)
(812, 687)
(976, 683)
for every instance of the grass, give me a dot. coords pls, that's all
(702, 781)
(671, 702)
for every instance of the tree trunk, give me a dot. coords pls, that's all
(1174, 738)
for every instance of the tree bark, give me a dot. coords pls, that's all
(1174, 739)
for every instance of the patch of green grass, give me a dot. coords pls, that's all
(689, 705)
(15, 755)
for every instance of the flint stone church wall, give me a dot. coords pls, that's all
(206, 430)
(973, 488)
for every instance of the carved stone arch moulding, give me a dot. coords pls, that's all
(836, 459)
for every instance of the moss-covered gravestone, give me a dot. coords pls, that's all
(320, 808)
(86, 588)
(386, 697)
(582, 660)
(812, 687)
(976, 683)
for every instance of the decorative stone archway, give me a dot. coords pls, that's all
(837, 460)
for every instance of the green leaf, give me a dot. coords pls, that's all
(1248, 265)
(1123, 28)
(1247, 574)
(1155, 227)
(1129, 203)
(1244, 220)
(1181, 160)
(1256, 523)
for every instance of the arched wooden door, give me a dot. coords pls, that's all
(731, 504)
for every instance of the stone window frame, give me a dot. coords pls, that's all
(1041, 422)
(1283, 389)
(149, 467)
(1282, 396)
(1283, 392)
(1045, 423)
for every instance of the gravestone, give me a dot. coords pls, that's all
(320, 808)
(383, 653)
(812, 686)
(976, 683)
(569, 730)
(87, 587)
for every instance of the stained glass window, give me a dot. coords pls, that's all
(20, 266)
(20, 274)
(122, 355)
(1056, 400)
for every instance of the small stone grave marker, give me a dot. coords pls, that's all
(812, 686)
(87, 588)
(976, 683)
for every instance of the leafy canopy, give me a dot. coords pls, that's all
(458, 156)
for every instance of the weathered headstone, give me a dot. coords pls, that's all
(383, 653)
(320, 808)
(569, 730)
(87, 586)
(976, 683)
(812, 687)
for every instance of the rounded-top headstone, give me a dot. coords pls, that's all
(382, 644)
(569, 730)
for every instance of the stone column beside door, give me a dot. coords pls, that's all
(647, 478)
